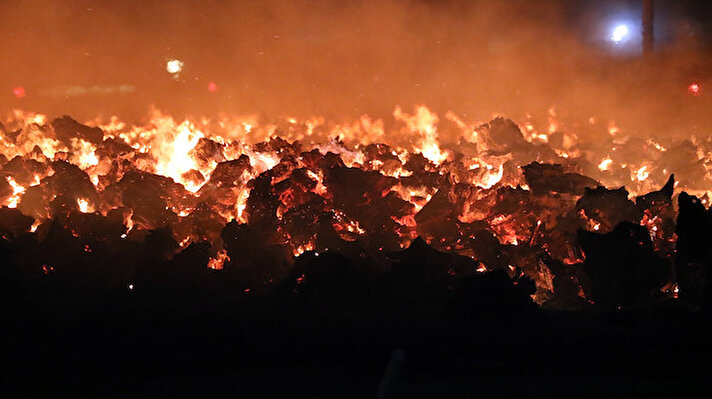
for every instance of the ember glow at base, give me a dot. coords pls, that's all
(500, 196)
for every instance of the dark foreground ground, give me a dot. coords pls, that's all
(133, 346)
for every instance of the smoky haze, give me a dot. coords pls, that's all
(340, 60)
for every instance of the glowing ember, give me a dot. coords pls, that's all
(84, 206)
(34, 226)
(641, 174)
(605, 164)
(218, 262)
(174, 67)
(694, 89)
(303, 248)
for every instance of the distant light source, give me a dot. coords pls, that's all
(694, 89)
(18, 91)
(174, 67)
(619, 33)
(212, 87)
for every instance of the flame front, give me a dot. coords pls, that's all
(351, 181)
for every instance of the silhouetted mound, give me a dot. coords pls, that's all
(621, 267)
(185, 273)
(489, 250)
(258, 262)
(66, 129)
(423, 275)
(13, 223)
(326, 280)
(494, 294)
(545, 178)
(503, 135)
(693, 261)
(657, 198)
(608, 207)
(682, 158)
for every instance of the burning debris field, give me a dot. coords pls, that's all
(328, 212)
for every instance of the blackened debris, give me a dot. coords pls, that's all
(621, 267)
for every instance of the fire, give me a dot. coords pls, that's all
(641, 174)
(218, 262)
(424, 122)
(84, 154)
(262, 161)
(84, 206)
(34, 226)
(313, 184)
(605, 164)
(553, 124)
(129, 223)
(491, 178)
(172, 144)
(17, 191)
(303, 248)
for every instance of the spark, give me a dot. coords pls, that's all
(694, 89)
(174, 67)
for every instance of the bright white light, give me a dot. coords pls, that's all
(619, 33)
(174, 66)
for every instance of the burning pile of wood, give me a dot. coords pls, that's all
(343, 215)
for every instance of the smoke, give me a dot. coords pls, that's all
(338, 60)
